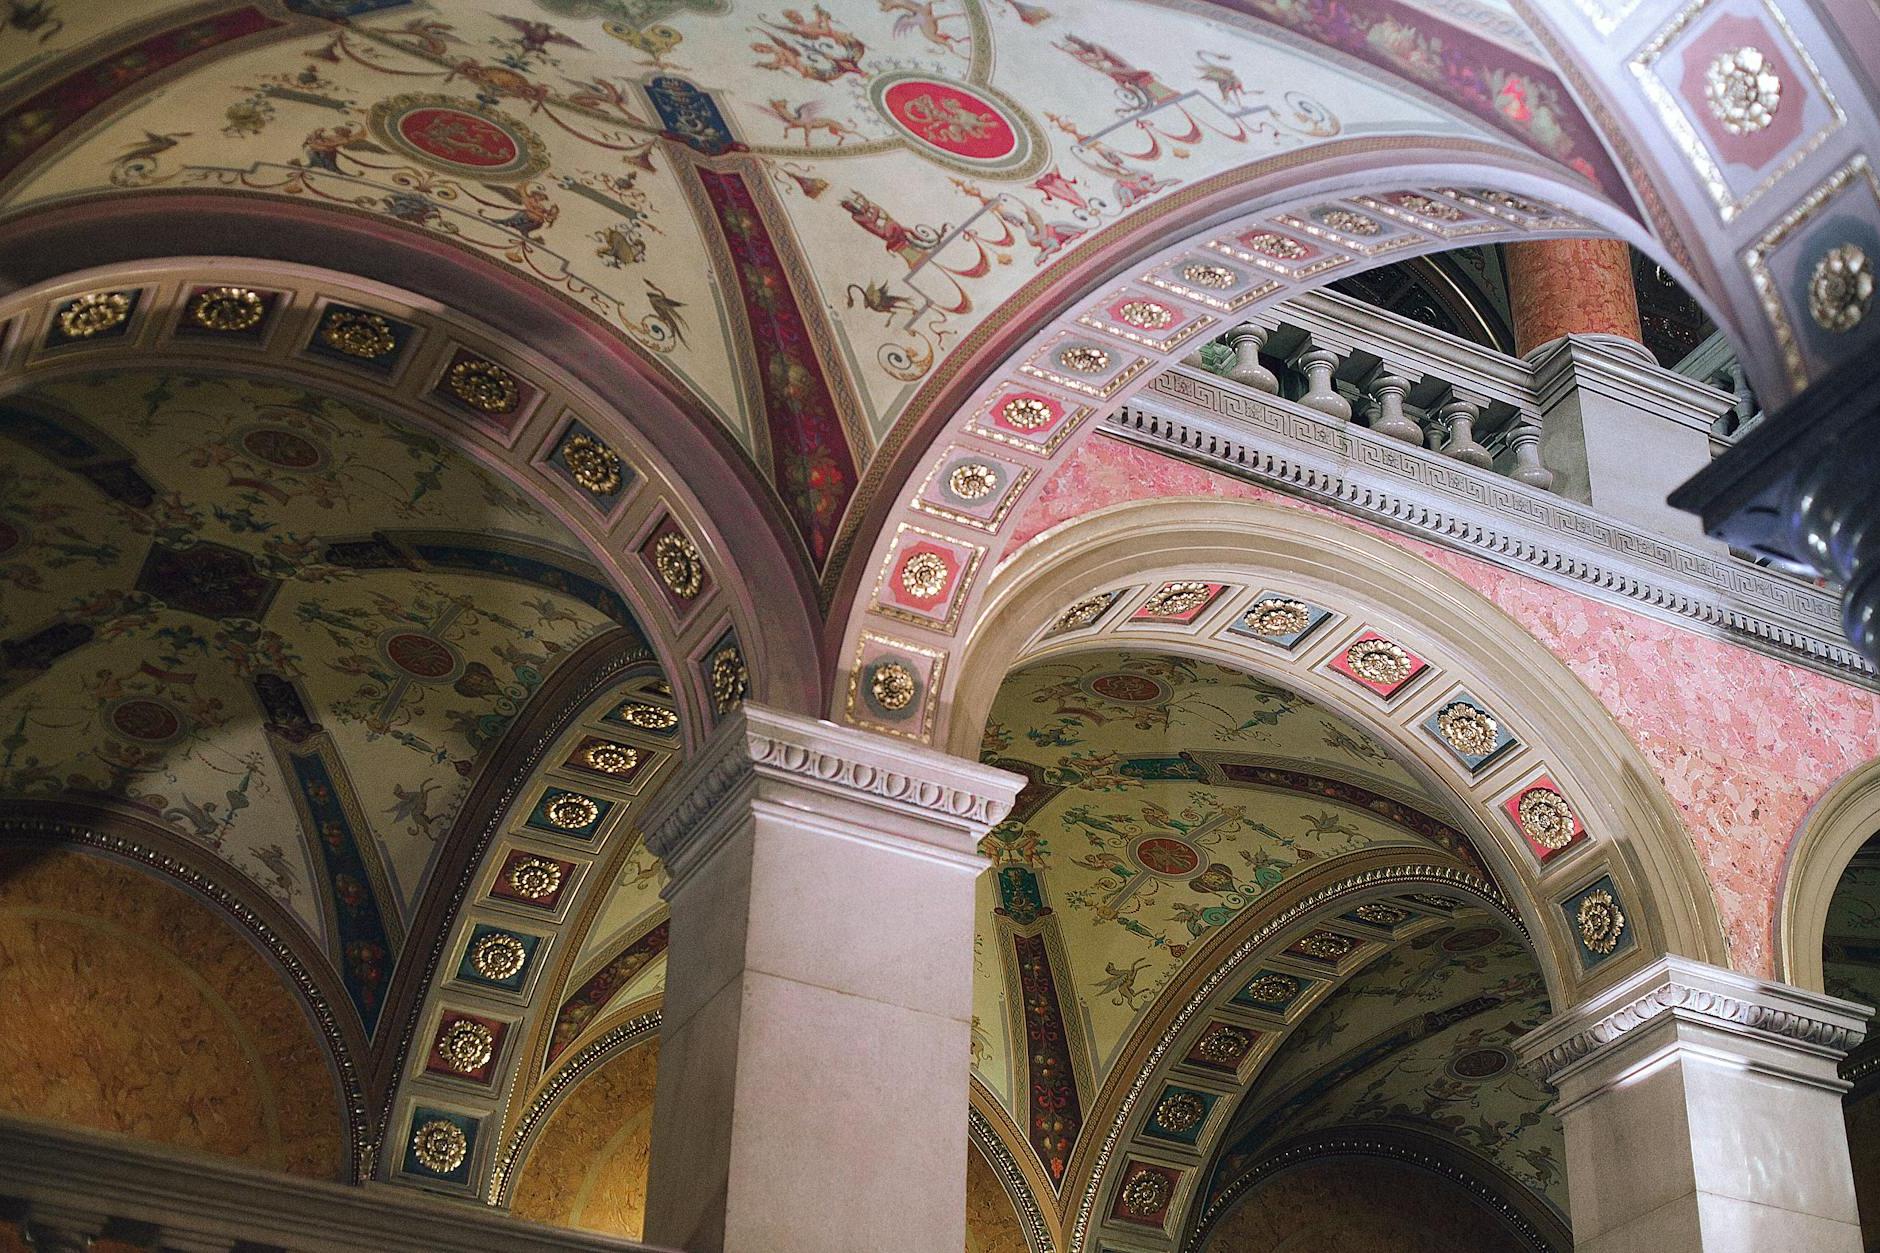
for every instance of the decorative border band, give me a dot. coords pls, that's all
(1289, 448)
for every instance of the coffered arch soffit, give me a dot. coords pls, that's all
(1560, 805)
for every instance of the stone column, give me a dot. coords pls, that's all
(1702, 1112)
(815, 1050)
(1570, 287)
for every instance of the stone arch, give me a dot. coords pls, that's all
(1251, 258)
(1626, 827)
(1000, 1146)
(1845, 817)
(756, 589)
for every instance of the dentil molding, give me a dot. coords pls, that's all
(1692, 992)
(785, 754)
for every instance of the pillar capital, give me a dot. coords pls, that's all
(910, 797)
(1702, 1112)
(1676, 1002)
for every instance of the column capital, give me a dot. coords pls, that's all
(915, 798)
(1675, 992)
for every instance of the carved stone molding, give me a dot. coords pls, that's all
(932, 799)
(987, 1141)
(1484, 514)
(86, 1181)
(1538, 1231)
(1676, 989)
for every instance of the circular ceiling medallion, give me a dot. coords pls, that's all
(459, 137)
(1166, 855)
(421, 656)
(283, 449)
(957, 124)
(1132, 689)
(1470, 939)
(1479, 1064)
(146, 720)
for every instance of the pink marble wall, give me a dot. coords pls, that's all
(1742, 743)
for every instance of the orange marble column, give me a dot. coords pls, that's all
(1570, 287)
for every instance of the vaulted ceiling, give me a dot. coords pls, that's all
(792, 215)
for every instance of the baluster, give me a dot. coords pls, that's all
(1525, 439)
(1318, 363)
(1459, 417)
(1247, 340)
(1387, 416)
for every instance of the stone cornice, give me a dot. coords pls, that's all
(1201, 419)
(71, 1180)
(1680, 990)
(758, 745)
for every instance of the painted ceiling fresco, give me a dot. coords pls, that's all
(868, 183)
(1166, 795)
(284, 614)
(587, 1167)
(98, 961)
(1423, 1037)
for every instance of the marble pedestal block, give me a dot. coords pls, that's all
(1702, 1112)
(814, 1055)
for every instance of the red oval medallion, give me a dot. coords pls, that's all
(422, 656)
(147, 720)
(1167, 856)
(458, 137)
(282, 448)
(951, 119)
(1133, 688)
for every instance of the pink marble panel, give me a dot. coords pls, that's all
(1742, 743)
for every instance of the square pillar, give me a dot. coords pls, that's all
(1702, 1112)
(1620, 433)
(815, 1050)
